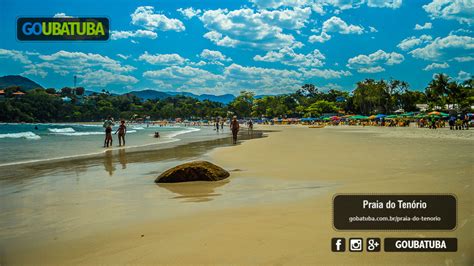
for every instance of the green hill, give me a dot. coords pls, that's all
(20, 81)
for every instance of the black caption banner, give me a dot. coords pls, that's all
(62, 29)
(420, 244)
(394, 212)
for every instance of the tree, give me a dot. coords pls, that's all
(242, 104)
(320, 107)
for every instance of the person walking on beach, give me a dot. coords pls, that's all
(217, 124)
(234, 127)
(250, 124)
(108, 123)
(122, 130)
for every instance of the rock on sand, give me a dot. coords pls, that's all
(193, 171)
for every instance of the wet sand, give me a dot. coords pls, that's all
(274, 209)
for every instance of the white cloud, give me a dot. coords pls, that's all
(66, 62)
(61, 15)
(371, 63)
(93, 69)
(436, 66)
(162, 59)
(372, 29)
(287, 19)
(189, 12)
(460, 10)
(261, 80)
(15, 55)
(462, 31)
(375, 69)
(186, 78)
(394, 4)
(213, 56)
(464, 58)
(319, 6)
(337, 25)
(325, 73)
(441, 48)
(413, 41)
(102, 78)
(146, 17)
(115, 35)
(462, 76)
(124, 57)
(233, 78)
(288, 57)
(256, 29)
(426, 26)
(331, 86)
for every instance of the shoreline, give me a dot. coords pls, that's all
(276, 206)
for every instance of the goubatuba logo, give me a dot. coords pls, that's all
(62, 29)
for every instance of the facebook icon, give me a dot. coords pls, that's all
(338, 244)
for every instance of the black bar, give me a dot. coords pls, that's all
(36, 29)
(394, 212)
(420, 244)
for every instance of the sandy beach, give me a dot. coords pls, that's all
(276, 208)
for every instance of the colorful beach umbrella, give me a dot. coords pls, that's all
(358, 117)
(436, 113)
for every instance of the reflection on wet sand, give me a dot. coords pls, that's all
(195, 191)
(17, 173)
(108, 163)
(123, 158)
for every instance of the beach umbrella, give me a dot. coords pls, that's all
(380, 116)
(436, 113)
(372, 117)
(359, 117)
(326, 118)
(335, 118)
(409, 114)
(391, 116)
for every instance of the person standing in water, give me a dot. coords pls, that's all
(122, 130)
(108, 123)
(234, 127)
(217, 124)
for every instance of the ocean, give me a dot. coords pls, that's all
(22, 143)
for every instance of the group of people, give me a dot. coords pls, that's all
(459, 122)
(122, 130)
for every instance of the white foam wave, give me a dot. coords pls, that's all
(79, 133)
(188, 130)
(62, 130)
(138, 128)
(25, 135)
(86, 133)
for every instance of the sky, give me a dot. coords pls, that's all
(265, 46)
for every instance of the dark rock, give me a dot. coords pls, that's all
(193, 171)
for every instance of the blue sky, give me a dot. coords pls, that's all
(266, 46)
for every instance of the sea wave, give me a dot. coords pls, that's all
(139, 128)
(25, 135)
(62, 130)
(78, 133)
(188, 130)
(86, 133)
